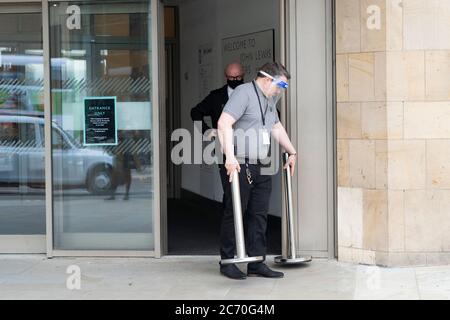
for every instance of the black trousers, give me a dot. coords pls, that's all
(224, 179)
(255, 199)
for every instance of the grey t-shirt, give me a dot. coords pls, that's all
(244, 107)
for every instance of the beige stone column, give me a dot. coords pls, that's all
(393, 120)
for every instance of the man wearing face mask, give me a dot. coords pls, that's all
(213, 104)
(252, 110)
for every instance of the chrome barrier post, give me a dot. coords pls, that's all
(288, 220)
(239, 226)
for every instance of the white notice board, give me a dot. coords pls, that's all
(251, 50)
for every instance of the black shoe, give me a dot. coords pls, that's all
(262, 270)
(127, 197)
(232, 272)
(111, 198)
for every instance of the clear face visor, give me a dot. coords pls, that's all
(276, 81)
(278, 86)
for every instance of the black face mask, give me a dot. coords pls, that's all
(233, 84)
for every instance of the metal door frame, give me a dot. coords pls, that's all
(159, 135)
(173, 46)
(290, 45)
(156, 45)
(157, 89)
(29, 244)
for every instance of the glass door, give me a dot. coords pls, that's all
(102, 126)
(22, 156)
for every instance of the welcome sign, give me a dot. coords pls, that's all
(251, 50)
(100, 121)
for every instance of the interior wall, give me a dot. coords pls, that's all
(203, 24)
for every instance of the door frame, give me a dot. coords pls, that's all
(173, 119)
(27, 244)
(288, 47)
(159, 132)
(44, 243)
(291, 20)
(159, 118)
(156, 46)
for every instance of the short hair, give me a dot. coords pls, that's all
(236, 64)
(275, 69)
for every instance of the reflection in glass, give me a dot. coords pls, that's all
(103, 194)
(22, 165)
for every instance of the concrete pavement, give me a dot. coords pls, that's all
(197, 278)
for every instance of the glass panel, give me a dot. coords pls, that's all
(22, 179)
(102, 114)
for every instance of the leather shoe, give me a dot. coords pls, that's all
(232, 272)
(262, 270)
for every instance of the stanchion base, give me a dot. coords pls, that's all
(242, 260)
(297, 260)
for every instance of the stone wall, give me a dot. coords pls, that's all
(393, 120)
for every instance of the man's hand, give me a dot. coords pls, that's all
(291, 163)
(280, 135)
(231, 165)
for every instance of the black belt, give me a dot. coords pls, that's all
(250, 161)
(257, 162)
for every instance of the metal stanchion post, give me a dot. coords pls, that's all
(239, 226)
(288, 220)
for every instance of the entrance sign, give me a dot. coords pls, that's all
(100, 121)
(251, 50)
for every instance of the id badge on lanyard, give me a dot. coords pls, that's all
(265, 137)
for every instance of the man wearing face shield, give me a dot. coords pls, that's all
(251, 114)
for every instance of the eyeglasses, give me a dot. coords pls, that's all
(278, 82)
(235, 78)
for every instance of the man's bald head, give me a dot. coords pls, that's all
(234, 70)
